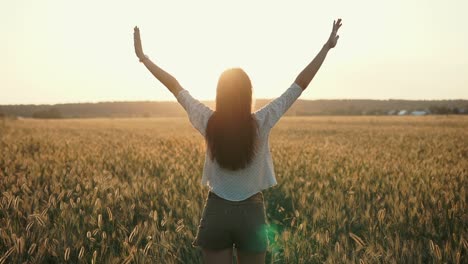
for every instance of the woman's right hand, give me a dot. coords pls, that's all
(137, 43)
(333, 39)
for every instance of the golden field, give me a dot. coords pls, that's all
(351, 190)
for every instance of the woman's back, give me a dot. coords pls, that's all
(237, 185)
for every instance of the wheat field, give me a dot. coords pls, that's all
(351, 190)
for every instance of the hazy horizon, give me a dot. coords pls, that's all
(213, 101)
(57, 52)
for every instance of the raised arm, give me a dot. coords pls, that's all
(305, 77)
(164, 77)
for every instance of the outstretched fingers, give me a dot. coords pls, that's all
(136, 32)
(333, 39)
(336, 25)
(137, 42)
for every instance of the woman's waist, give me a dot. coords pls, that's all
(255, 198)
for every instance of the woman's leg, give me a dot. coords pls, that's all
(250, 258)
(251, 232)
(217, 256)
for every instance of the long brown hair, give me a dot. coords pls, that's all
(231, 133)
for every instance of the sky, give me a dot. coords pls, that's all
(62, 51)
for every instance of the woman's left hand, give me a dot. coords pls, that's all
(137, 43)
(333, 39)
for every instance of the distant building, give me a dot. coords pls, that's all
(419, 113)
(403, 112)
(392, 112)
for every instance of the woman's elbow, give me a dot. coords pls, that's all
(302, 83)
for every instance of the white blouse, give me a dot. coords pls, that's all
(259, 174)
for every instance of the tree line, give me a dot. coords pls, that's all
(173, 109)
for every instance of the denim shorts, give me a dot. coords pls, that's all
(225, 224)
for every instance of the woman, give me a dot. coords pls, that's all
(238, 164)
